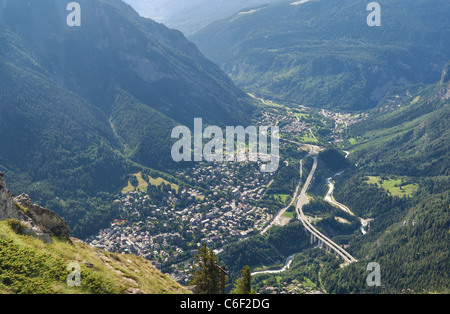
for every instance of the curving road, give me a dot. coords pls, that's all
(316, 234)
(302, 199)
(330, 199)
(278, 218)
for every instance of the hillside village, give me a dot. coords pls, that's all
(166, 224)
(169, 231)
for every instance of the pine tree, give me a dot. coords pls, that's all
(207, 277)
(243, 285)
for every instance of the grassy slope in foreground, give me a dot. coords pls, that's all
(27, 265)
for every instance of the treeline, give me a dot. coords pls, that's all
(285, 182)
(334, 160)
(209, 277)
(144, 132)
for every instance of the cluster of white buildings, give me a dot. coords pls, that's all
(169, 233)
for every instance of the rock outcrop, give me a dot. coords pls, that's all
(444, 91)
(8, 209)
(34, 219)
(44, 218)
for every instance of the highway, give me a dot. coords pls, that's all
(315, 234)
(278, 218)
(302, 199)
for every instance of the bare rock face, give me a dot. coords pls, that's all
(133, 291)
(444, 91)
(43, 217)
(34, 220)
(9, 210)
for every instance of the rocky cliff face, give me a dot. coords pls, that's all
(34, 219)
(8, 210)
(444, 92)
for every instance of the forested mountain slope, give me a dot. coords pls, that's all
(402, 182)
(82, 107)
(323, 53)
(408, 133)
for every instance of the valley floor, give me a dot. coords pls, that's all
(166, 224)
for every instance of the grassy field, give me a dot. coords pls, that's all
(302, 115)
(396, 187)
(273, 104)
(290, 215)
(144, 184)
(415, 100)
(308, 283)
(159, 181)
(28, 265)
(283, 198)
(308, 138)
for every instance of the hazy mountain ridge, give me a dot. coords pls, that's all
(323, 53)
(115, 46)
(190, 16)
